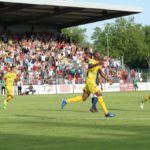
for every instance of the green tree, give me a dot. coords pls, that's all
(146, 30)
(99, 39)
(75, 34)
(125, 38)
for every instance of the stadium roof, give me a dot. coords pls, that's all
(59, 13)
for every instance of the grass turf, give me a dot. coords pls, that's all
(38, 123)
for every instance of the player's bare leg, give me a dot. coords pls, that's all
(146, 98)
(7, 100)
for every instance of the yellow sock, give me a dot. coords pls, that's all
(75, 99)
(146, 98)
(102, 104)
(5, 102)
(9, 98)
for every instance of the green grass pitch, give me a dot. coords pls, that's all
(38, 123)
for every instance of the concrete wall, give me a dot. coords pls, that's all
(27, 28)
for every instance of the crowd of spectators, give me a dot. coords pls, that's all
(42, 58)
(47, 58)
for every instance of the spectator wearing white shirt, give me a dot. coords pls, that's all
(19, 85)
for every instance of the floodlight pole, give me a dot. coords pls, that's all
(122, 62)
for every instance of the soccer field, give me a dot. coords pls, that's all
(38, 123)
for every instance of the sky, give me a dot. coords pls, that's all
(142, 18)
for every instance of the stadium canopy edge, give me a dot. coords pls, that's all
(60, 13)
(79, 4)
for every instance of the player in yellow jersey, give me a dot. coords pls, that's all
(146, 98)
(9, 78)
(94, 68)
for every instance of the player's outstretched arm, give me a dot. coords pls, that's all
(90, 66)
(17, 78)
(105, 77)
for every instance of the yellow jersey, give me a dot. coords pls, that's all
(93, 72)
(10, 78)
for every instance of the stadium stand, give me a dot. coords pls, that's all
(42, 57)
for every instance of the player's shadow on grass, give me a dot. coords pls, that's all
(132, 110)
(104, 137)
(60, 110)
(35, 117)
(69, 110)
